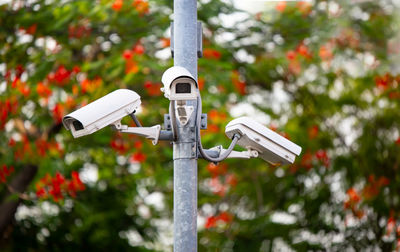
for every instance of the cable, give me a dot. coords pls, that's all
(134, 118)
(173, 119)
(224, 155)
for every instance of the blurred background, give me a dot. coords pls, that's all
(324, 74)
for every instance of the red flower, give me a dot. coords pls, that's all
(138, 157)
(325, 53)
(304, 7)
(211, 54)
(117, 5)
(138, 145)
(382, 82)
(210, 222)
(383, 181)
(75, 184)
(291, 55)
(391, 225)
(76, 69)
(398, 141)
(78, 31)
(58, 112)
(41, 193)
(60, 77)
(165, 42)
(322, 156)
(5, 172)
(313, 132)
(138, 49)
(217, 188)
(200, 82)
(43, 90)
(119, 145)
(42, 147)
(127, 54)
(231, 180)
(11, 142)
(153, 89)
(303, 50)
(217, 170)
(141, 6)
(30, 30)
(280, 6)
(225, 217)
(131, 67)
(58, 186)
(295, 67)
(306, 160)
(353, 195)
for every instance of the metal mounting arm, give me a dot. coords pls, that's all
(148, 132)
(217, 150)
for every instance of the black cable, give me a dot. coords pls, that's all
(173, 119)
(134, 118)
(224, 155)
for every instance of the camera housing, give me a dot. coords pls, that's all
(270, 146)
(102, 112)
(179, 84)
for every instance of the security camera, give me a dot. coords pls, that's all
(270, 146)
(109, 109)
(179, 84)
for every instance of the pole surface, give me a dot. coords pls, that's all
(185, 161)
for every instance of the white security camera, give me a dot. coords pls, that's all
(179, 84)
(109, 109)
(270, 146)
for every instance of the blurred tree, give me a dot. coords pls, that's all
(320, 73)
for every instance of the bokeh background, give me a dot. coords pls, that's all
(324, 74)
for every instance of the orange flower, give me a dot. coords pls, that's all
(58, 112)
(306, 160)
(231, 180)
(31, 29)
(210, 222)
(325, 53)
(43, 90)
(153, 89)
(201, 83)
(295, 67)
(131, 67)
(165, 42)
(291, 55)
(117, 5)
(239, 84)
(141, 6)
(138, 49)
(217, 170)
(383, 81)
(211, 54)
(280, 6)
(303, 50)
(127, 54)
(353, 195)
(91, 85)
(138, 157)
(304, 7)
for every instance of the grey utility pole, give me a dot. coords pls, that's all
(185, 146)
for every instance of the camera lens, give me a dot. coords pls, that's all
(77, 125)
(182, 88)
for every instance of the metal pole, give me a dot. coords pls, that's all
(185, 161)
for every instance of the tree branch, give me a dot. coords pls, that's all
(8, 207)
